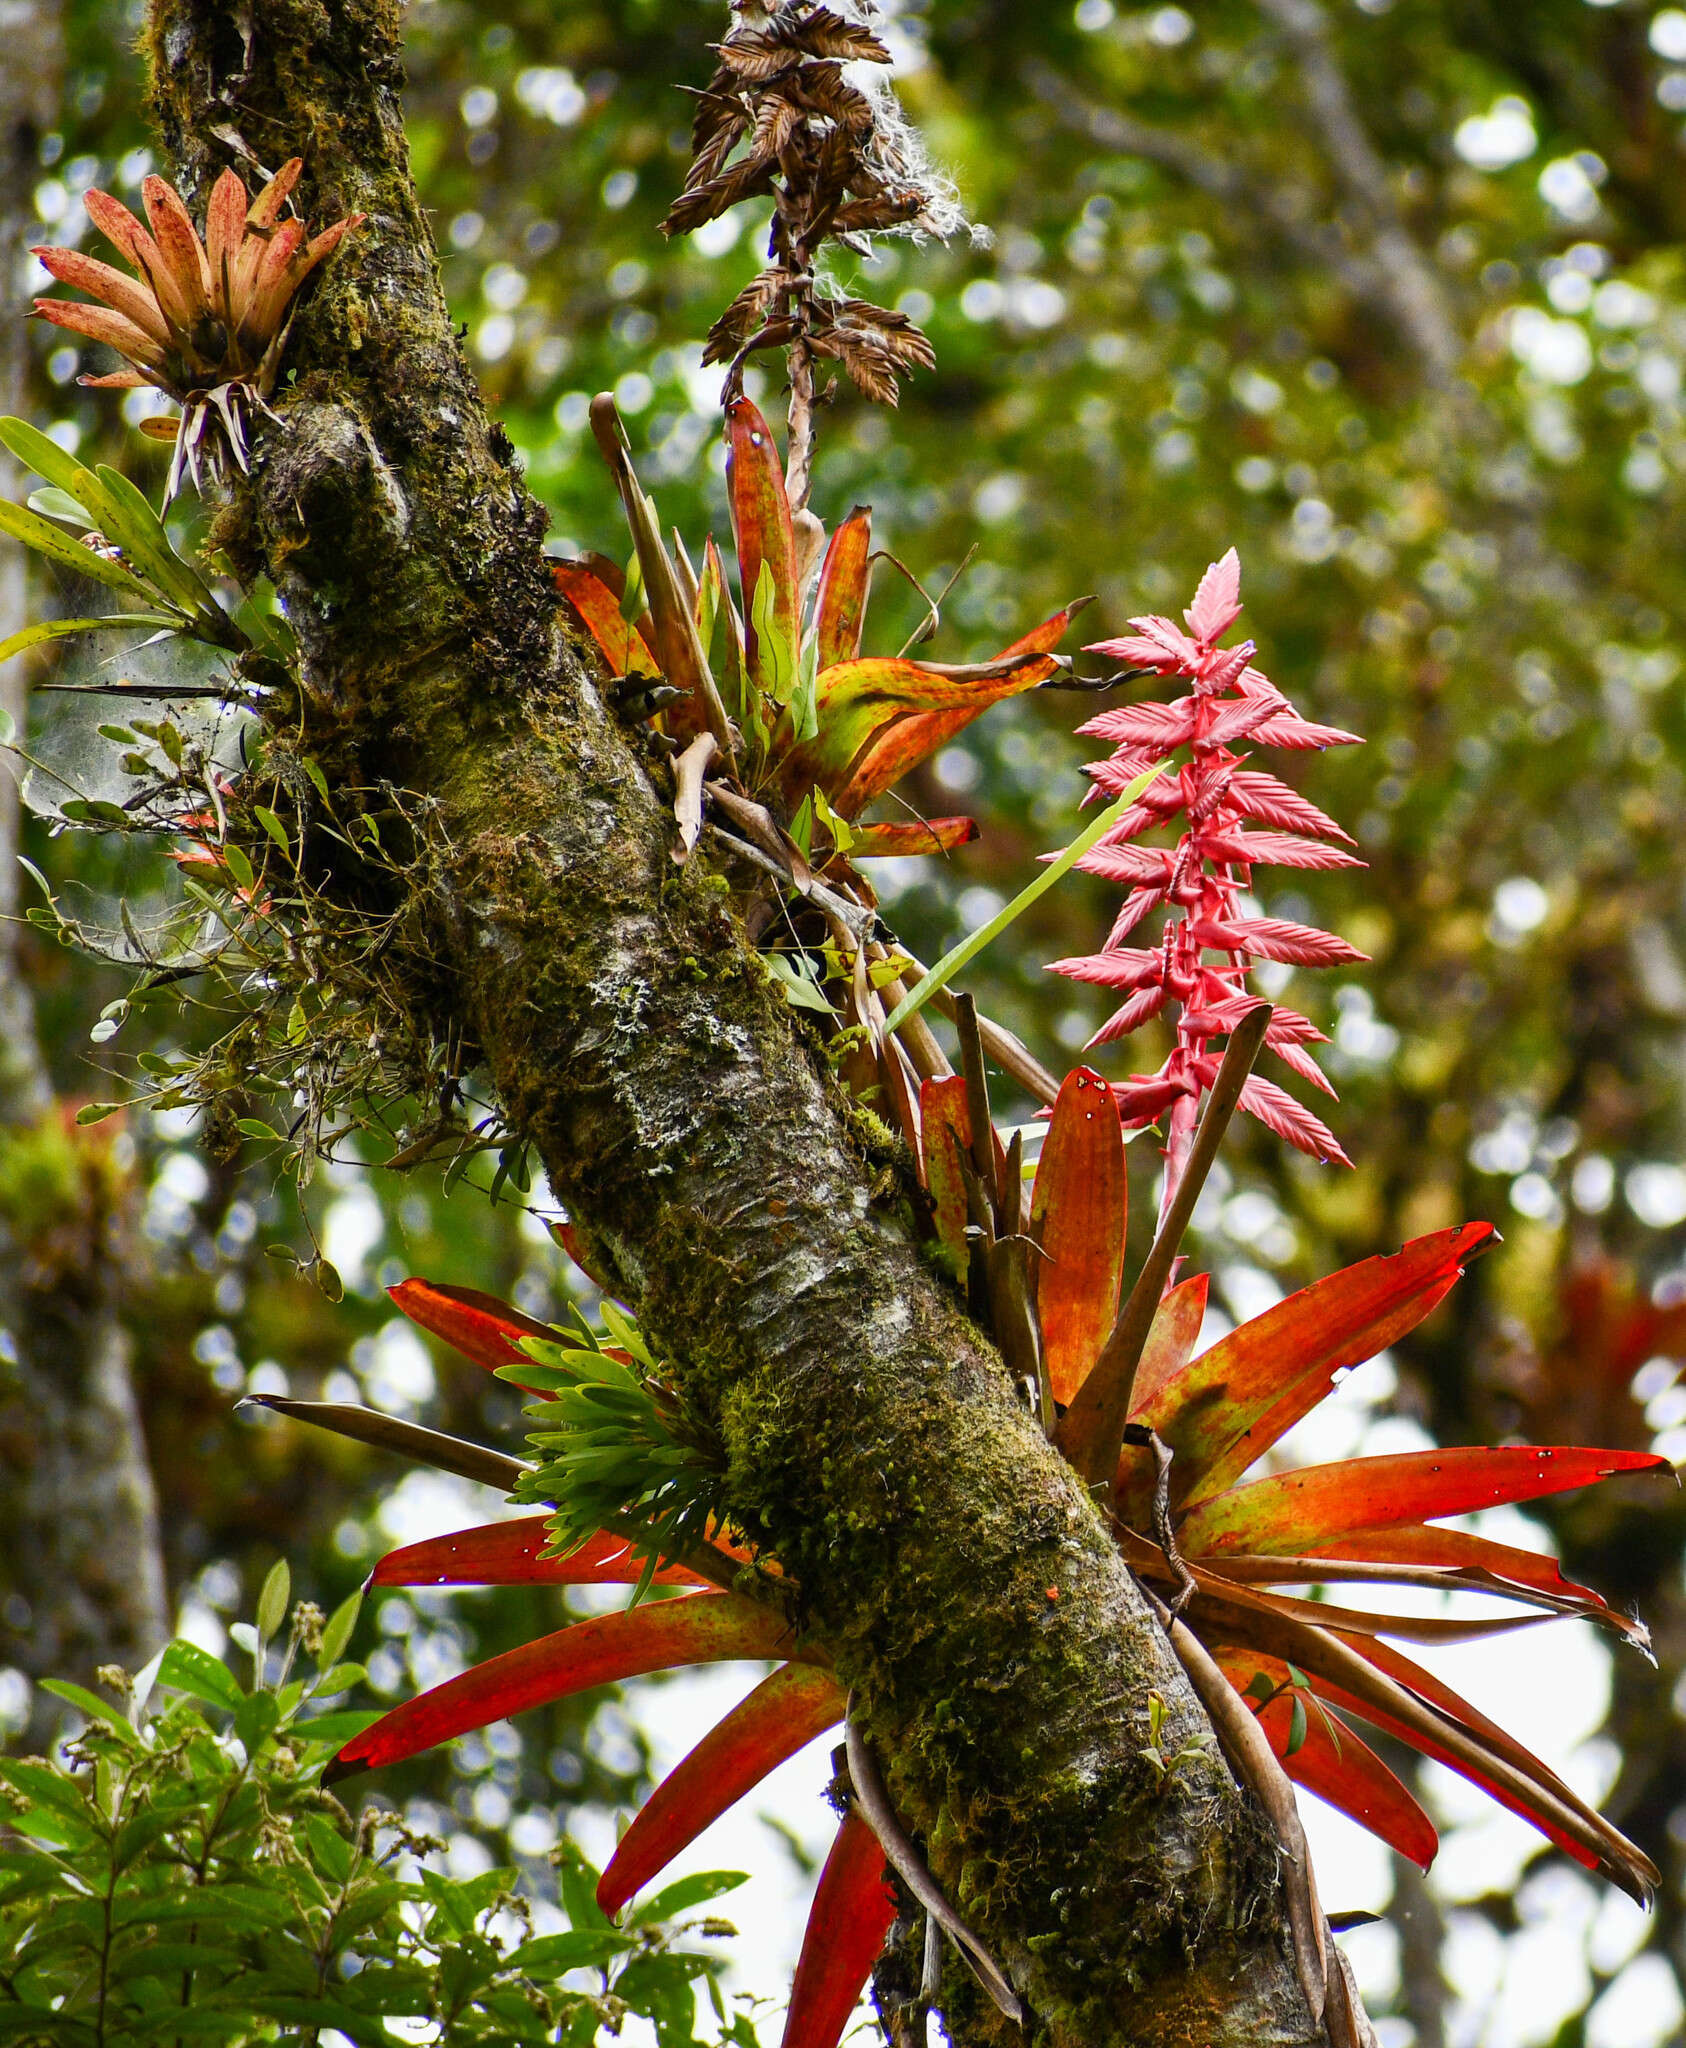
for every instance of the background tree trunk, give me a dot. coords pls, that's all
(81, 1567)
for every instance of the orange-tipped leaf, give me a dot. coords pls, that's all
(1233, 1402)
(1294, 1511)
(1078, 1213)
(598, 611)
(697, 1628)
(840, 599)
(783, 1713)
(896, 840)
(761, 523)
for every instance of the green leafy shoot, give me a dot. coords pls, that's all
(613, 1450)
(127, 547)
(175, 1872)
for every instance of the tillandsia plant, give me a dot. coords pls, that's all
(1169, 1438)
(204, 322)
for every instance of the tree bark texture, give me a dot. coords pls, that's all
(944, 1554)
(81, 1565)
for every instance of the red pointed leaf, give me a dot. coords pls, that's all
(1171, 1341)
(760, 520)
(1371, 1679)
(897, 839)
(1293, 1511)
(840, 601)
(697, 1628)
(485, 1330)
(783, 1712)
(1233, 1402)
(576, 1245)
(852, 1913)
(1620, 1861)
(1078, 1214)
(946, 1137)
(1456, 1550)
(509, 1554)
(599, 612)
(1352, 1777)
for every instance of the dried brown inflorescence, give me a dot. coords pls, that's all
(782, 116)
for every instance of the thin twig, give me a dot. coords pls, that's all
(1092, 1432)
(1164, 1532)
(910, 1866)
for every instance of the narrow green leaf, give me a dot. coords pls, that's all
(53, 542)
(273, 826)
(1056, 870)
(61, 629)
(337, 1633)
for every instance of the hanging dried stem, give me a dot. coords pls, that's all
(781, 118)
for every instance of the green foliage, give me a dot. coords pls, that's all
(615, 1452)
(1166, 1764)
(177, 1873)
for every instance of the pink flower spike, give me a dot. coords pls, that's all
(1200, 880)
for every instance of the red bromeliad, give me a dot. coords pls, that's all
(1212, 1539)
(1205, 875)
(202, 321)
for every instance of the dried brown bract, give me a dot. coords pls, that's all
(793, 113)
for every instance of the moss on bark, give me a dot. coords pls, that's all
(944, 1553)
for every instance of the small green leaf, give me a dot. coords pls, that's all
(695, 1890)
(97, 1112)
(317, 777)
(238, 866)
(52, 503)
(337, 1632)
(272, 825)
(254, 1127)
(189, 1669)
(1296, 1727)
(272, 1601)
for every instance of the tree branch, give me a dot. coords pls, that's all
(1406, 278)
(946, 1556)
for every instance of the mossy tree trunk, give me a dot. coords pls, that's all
(1002, 1655)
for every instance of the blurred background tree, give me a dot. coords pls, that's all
(1389, 294)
